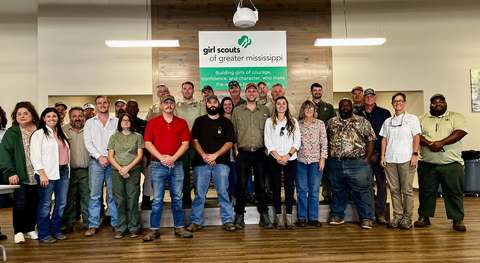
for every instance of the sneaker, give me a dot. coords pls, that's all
(183, 233)
(315, 223)
(67, 228)
(366, 224)
(302, 223)
(152, 234)
(381, 219)
(134, 234)
(405, 224)
(458, 225)
(85, 224)
(193, 227)
(265, 221)
(422, 221)
(91, 232)
(49, 240)
(239, 221)
(280, 222)
(290, 225)
(393, 223)
(335, 221)
(61, 237)
(229, 226)
(19, 238)
(119, 234)
(32, 235)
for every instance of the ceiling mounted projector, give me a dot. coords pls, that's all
(245, 17)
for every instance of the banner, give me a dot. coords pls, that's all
(244, 56)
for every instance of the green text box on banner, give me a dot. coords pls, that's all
(218, 78)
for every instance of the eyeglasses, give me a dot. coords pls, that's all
(397, 121)
(281, 131)
(398, 101)
(125, 121)
(310, 108)
(231, 83)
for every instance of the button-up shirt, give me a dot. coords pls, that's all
(249, 125)
(154, 111)
(279, 140)
(325, 111)
(264, 101)
(347, 138)
(314, 142)
(97, 136)
(79, 157)
(189, 111)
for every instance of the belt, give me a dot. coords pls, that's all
(347, 159)
(158, 160)
(250, 149)
(63, 166)
(93, 158)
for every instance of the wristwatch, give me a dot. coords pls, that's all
(415, 153)
(290, 154)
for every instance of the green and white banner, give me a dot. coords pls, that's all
(244, 56)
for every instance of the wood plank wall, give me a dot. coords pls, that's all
(303, 20)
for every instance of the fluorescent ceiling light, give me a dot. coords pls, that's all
(142, 43)
(327, 42)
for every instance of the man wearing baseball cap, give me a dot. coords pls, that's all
(441, 162)
(120, 106)
(89, 111)
(235, 90)
(62, 110)
(263, 97)
(207, 90)
(212, 138)
(357, 97)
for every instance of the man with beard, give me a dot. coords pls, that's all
(89, 110)
(62, 110)
(189, 110)
(351, 140)
(79, 160)
(325, 112)
(263, 97)
(120, 106)
(212, 138)
(156, 109)
(235, 90)
(140, 125)
(249, 123)
(278, 91)
(441, 162)
(357, 96)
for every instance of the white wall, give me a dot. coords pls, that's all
(431, 45)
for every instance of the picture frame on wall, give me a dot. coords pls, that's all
(475, 89)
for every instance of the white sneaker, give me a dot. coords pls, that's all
(32, 235)
(19, 238)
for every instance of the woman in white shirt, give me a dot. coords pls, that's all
(50, 155)
(282, 140)
(399, 156)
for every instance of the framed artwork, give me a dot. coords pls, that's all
(475, 89)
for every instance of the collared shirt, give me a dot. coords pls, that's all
(271, 108)
(399, 132)
(96, 135)
(154, 111)
(264, 101)
(140, 125)
(278, 139)
(79, 157)
(438, 128)
(325, 111)
(356, 108)
(240, 102)
(347, 138)
(126, 147)
(376, 117)
(167, 137)
(314, 142)
(189, 111)
(249, 126)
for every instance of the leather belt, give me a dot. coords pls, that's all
(250, 149)
(347, 159)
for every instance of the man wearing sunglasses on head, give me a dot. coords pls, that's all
(235, 90)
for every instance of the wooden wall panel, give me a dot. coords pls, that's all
(304, 21)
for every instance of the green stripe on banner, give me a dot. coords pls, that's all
(218, 78)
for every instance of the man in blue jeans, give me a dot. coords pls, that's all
(97, 132)
(212, 138)
(351, 140)
(167, 138)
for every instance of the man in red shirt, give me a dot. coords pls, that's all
(167, 138)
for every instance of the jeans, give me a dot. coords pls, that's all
(349, 175)
(289, 171)
(308, 179)
(245, 161)
(46, 227)
(147, 182)
(160, 174)
(25, 208)
(378, 206)
(187, 160)
(233, 181)
(219, 175)
(126, 191)
(97, 174)
(78, 183)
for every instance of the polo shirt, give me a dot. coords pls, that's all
(376, 118)
(167, 137)
(438, 128)
(399, 137)
(189, 111)
(325, 111)
(249, 125)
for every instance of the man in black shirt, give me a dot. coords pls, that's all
(212, 138)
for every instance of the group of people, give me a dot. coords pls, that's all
(224, 140)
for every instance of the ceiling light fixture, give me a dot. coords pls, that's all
(329, 42)
(142, 43)
(245, 17)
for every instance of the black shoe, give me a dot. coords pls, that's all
(249, 198)
(85, 224)
(107, 220)
(146, 203)
(314, 223)
(187, 199)
(3, 237)
(328, 199)
(422, 221)
(239, 221)
(67, 228)
(458, 225)
(265, 221)
(302, 223)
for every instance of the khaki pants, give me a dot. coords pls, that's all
(400, 179)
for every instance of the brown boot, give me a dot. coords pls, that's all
(151, 235)
(91, 232)
(183, 233)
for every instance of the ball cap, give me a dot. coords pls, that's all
(120, 100)
(251, 85)
(207, 87)
(167, 97)
(61, 104)
(437, 95)
(357, 88)
(88, 106)
(369, 91)
(212, 97)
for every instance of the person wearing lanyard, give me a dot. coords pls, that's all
(399, 156)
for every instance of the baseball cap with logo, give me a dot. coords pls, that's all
(369, 91)
(167, 97)
(88, 106)
(357, 88)
(207, 87)
(61, 104)
(251, 85)
(437, 95)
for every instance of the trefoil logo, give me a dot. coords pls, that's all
(244, 41)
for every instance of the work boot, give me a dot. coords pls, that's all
(239, 221)
(422, 221)
(458, 225)
(265, 220)
(280, 222)
(290, 225)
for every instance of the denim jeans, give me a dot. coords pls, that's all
(96, 175)
(308, 179)
(219, 175)
(345, 176)
(46, 227)
(245, 161)
(233, 181)
(160, 174)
